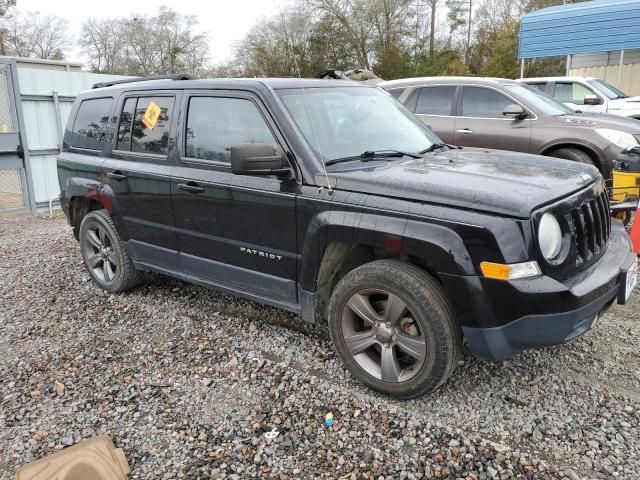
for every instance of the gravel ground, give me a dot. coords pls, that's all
(187, 381)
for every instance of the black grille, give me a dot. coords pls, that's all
(590, 227)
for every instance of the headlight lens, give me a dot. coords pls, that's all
(549, 236)
(621, 139)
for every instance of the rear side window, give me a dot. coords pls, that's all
(90, 127)
(214, 124)
(145, 125)
(436, 100)
(483, 103)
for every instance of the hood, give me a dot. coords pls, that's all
(505, 183)
(601, 120)
(623, 101)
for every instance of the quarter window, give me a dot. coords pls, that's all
(483, 103)
(436, 100)
(90, 127)
(214, 124)
(396, 92)
(539, 86)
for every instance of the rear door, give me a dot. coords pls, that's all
(234, 231)
(482, 124)
(435, 105)
(137, 175)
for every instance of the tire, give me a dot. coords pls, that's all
(104, 255)
(421, 326)
(574, 155)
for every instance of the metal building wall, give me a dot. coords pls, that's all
(606, 66)
(596, 26)
(47, 97)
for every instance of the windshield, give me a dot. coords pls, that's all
(609, 90)
(340, 122)
(537, 100)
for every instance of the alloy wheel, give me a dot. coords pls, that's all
(383, 336)
(100, 254)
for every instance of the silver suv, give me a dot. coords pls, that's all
(507, 115)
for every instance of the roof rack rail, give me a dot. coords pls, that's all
(179, 76)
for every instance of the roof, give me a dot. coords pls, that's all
(557, 79)
(411, 82)
(230, 83)
(587, 27)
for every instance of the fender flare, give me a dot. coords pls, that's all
(439, 247)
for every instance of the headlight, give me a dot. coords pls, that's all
(621, 139)
(549, 236)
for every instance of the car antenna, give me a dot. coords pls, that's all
(315, 135)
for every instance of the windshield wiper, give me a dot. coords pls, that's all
(433, 147)
(370, 155)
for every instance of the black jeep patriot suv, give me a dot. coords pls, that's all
(331, 200)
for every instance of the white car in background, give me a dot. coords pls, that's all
(588, 94)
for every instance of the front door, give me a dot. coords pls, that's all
(236, 231)
(137, 176)
(482, 124)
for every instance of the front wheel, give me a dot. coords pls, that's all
(104, 255)
(394, 328)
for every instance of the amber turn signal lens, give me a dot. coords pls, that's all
(501, 271)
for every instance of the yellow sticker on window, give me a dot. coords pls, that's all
(151, 116)
(5, 128)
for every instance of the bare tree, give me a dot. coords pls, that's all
(167, 42)
(102, 42)
(30, 34)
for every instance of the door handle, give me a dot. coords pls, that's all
(465, 131)
(191, 187)
(117, 175)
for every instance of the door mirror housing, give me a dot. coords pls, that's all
(592, 100)
(258, 159)
(515, 111)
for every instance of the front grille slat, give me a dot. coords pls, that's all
(591, 227)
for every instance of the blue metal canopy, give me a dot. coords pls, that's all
(587, 27)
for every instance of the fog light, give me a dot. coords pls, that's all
(501, 271)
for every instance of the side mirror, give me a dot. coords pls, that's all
(258, 159)
(592, 100)
(514, 111)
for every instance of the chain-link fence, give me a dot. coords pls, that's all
(11, 189)
(6, 123)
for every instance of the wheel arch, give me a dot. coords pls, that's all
(595, 156)
(340, 245)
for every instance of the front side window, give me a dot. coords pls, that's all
(215, 124)
(483, 103)
(436, 100)
(571, 93)
(339, 122)
(90, 127)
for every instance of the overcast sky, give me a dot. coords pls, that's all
(225, 20)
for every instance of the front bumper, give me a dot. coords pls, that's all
(500, 319)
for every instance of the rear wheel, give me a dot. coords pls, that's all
(574, 155)
(394, 328)
(104, 255)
